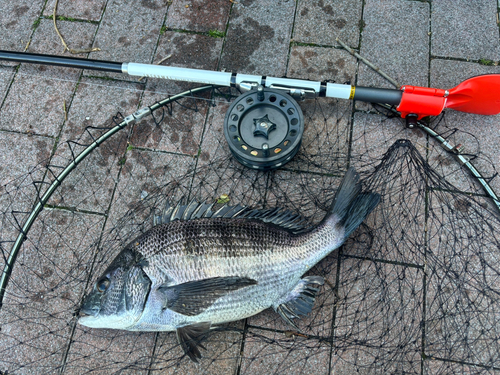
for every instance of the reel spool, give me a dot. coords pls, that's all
(263, 128)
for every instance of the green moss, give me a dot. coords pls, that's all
(163, 30)
(122, 161)
(216, 34)
(35, 23)
(486, 62)
(62, 18)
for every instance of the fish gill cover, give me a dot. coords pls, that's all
(414, 289)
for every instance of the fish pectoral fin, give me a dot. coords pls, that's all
(300, 300)
(189, 338)
(194, 297)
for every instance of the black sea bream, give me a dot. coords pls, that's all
(198, 268)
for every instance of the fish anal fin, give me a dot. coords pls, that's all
(194, 297)
(189, 338)
(300, 300)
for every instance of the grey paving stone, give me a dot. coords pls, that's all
(128, 33)
(91, 184)
(292, 355)
(79, 9)
(33, 150)
(395, 38)
(37, 96)
(374, 134)
(178, 132)
(258, 36)
(104, 351)
(465, 29)
(16, 20)
(478, 134)
(218, 173)
(198, 15)
(220, 357)
(321, 22)
(326, 121)
(6, 75)
(148, 180)
(447, 74)
(461, 296)
(372, 137)
(35, 104)
(445, 367)
(368, 306)
(187, 51)
(19, 182)
(321, 64)
(45, 287)
(78, 35)
(96, 103)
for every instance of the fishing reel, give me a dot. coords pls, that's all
(263, 128)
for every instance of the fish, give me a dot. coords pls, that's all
(196, 269)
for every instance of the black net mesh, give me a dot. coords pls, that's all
(414, 290)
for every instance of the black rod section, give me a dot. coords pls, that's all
(376, 95)
(70, 62)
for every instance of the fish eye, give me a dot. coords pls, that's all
(102, 285)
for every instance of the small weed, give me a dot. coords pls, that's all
(216, 34)
(35, 23)
(486, 62)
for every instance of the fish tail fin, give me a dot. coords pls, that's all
(351, 207)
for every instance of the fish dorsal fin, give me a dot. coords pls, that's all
(194, 210)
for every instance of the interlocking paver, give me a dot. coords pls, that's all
(395, 38)
(258, 36)
(6, 75)
(17, 19)
(363, 299)
(46, 283)
(78, 9)
(321, 22)
(129, 32)
(465, 29)
(198, 15)
(36, 84)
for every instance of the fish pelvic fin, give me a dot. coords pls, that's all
(190, 337)
(300, 300)
(351, 206)
(194, 297)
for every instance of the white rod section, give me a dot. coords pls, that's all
(178, 74)
(333, 90)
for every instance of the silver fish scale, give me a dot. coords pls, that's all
(183, 251)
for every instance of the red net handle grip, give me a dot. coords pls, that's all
(422, 101)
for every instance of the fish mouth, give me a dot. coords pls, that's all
(88, 311)
(87, 315)
(86, 319)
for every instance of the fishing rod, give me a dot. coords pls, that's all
(264, 126)
(478, 95)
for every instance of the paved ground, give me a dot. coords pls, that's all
(435, 43)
